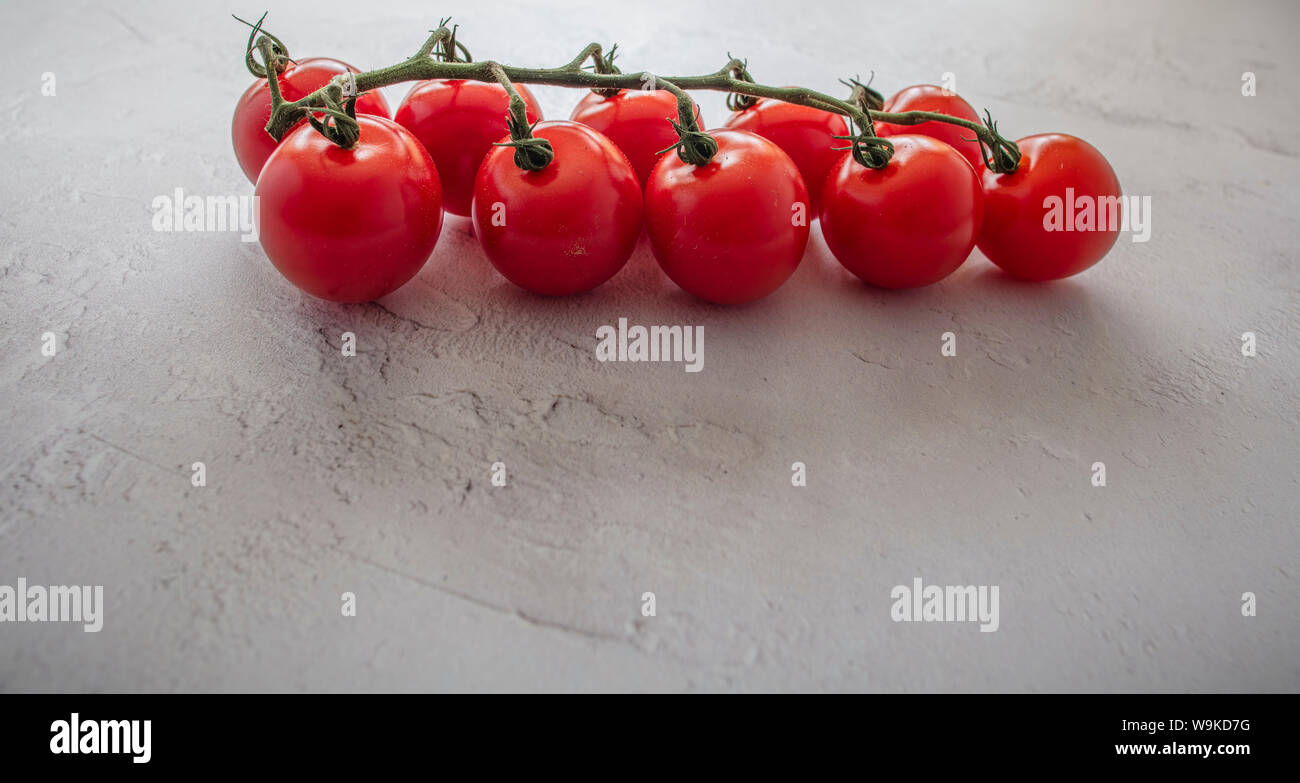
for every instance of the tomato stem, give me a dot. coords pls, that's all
(1000, 154)
(279, 52)
(602, 64)
(862, 95)
(531, 153)
(267, 47)
(438, 58)
(739, 71)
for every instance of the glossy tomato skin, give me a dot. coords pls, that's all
(909, 224)
(928, 97)
(567, 228)
(804, 133)
(350, 225)
(458, 121)
(730, 231)
(1015, 235)
(253, 145)
(637, 121)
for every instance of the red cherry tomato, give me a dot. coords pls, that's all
(458, 121)
(637, 121)
(253, 145)
(909, 224)
(1026, 213)
(806, 134)
(349, 225)
(928, 97)
(731, 231)
(567, 228)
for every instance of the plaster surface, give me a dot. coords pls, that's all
(371, 474)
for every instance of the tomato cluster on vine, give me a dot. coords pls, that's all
(354, 224)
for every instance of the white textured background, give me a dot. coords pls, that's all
(370, 474)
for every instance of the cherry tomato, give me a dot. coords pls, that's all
(635, 120)
(733, 230)
(806, 134)
(1026, 213)
(458, 121)
(928, 97)
(253, 145)
(349, 225)
(567, 228)
(909, 224)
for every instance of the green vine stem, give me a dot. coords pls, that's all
(279, 52)
(437, 59)
(531, 153)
